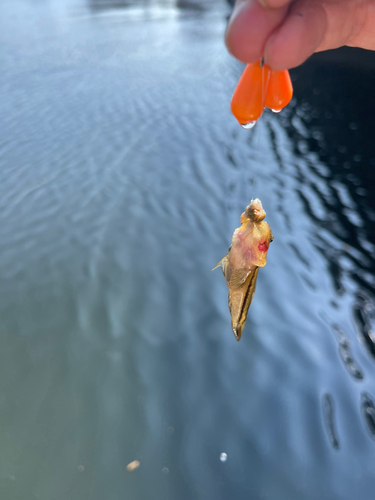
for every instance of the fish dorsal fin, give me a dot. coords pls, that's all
(238, 277)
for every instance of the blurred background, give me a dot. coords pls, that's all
(122, 177)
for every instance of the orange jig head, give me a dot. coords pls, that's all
(260, 86)
(249, 98)
(280, 90)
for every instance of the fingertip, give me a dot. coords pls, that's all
(297, 38)
(241, 39)
(249, 28)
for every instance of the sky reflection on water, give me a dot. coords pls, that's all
(123, 176)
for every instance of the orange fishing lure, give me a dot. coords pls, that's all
(260, 87)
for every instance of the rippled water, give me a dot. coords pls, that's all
(123, 176)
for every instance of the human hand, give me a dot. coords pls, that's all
(287, 32)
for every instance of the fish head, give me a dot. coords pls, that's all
(262, 237)
(253, 212)
(250, 245)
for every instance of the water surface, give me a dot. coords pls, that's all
(123, 176)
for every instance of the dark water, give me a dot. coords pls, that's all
(123, 175)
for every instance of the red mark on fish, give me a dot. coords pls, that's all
(263, 247)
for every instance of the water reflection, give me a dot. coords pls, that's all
(364, 315)
(335, 191)
(368, 411)
(123, 176)
(345, 352)
(198, 5)
(329, 420)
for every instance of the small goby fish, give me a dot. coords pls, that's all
(247, 253)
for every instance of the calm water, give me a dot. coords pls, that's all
(123, 176)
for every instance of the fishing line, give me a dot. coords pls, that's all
(249, 167)
(256, 140)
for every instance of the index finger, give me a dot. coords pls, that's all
(249, 28)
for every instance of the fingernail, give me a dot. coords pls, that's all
(237, 8)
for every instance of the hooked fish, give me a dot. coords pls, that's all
(247, 253)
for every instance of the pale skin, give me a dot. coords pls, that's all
(287, 32)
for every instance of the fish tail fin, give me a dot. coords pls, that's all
(237, 324)
(237, 330)
(239, 300)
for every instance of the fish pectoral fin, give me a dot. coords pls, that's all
(238, 278)
(222, 263)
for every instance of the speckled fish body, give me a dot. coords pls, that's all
(240, 266)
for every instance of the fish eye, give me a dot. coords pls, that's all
(271, 239)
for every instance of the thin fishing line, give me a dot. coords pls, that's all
(258, 132)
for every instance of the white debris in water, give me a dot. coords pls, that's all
(133, 465)
(223, 457)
